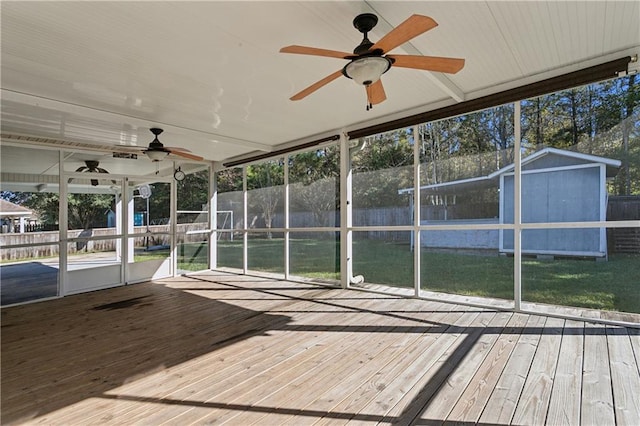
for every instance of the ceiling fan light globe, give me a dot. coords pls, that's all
(156, 155)
(367, 70)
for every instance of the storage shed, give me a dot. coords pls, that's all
(559, 186)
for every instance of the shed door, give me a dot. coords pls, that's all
(566, 195)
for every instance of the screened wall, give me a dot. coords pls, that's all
(92, 221)
(529, 206)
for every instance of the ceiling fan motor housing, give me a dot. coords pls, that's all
(156, 145)
(92, 164)
(366, 70)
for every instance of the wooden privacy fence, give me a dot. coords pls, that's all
(620, 240)
(624, 240)
(49, 240)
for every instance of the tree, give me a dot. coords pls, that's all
(229, 180)
(86, 211)
(384, 165)
(265, 182)
(193, 191)
(314, 178)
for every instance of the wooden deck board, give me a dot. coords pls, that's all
(472, 402)
(258, 388)
(232, 368)
(502, 402)
(564, 407)
(624, 377)
(451, 349)
(448, 395)
(303, 391)
(357, 355)
(534, 400)
(232, 349)
(597, 399)
(337, 400)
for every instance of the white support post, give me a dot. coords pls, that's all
(517, 217)
(286, 219)
(173, 215)
(118, 224)
(603, 210)
(346, 237)
(245, 216)
(213, 216)
(63, 226)
(416, 210)
(124, 220)
(501, 199)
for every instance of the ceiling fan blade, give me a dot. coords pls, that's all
(428, 63)
(315, 86)
(81, 169)
(375, 93)
(177, 148)
(187, 155)
(413, 26)
(304, 50)
(101, 170)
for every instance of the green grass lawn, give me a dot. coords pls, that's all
(611, 285)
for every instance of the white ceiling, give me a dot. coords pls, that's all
(101, 73)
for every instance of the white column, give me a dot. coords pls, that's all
(213, 217)
(346, 222)
(245, 214)
(22, 224)
(416, 210)
(517, 204)
(173, 218)
(286, 218)
(118, 225)
(124, 221)
(63, 225)
(129, 219)
(603, 209)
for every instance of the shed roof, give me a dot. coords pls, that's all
(612, 164)
(483, 182)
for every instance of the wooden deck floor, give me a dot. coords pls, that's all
(223, 348)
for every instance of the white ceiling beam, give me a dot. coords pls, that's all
(114, 117)
(439, 79)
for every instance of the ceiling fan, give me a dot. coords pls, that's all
(156, 151)
(91, 166)
(370, 60)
